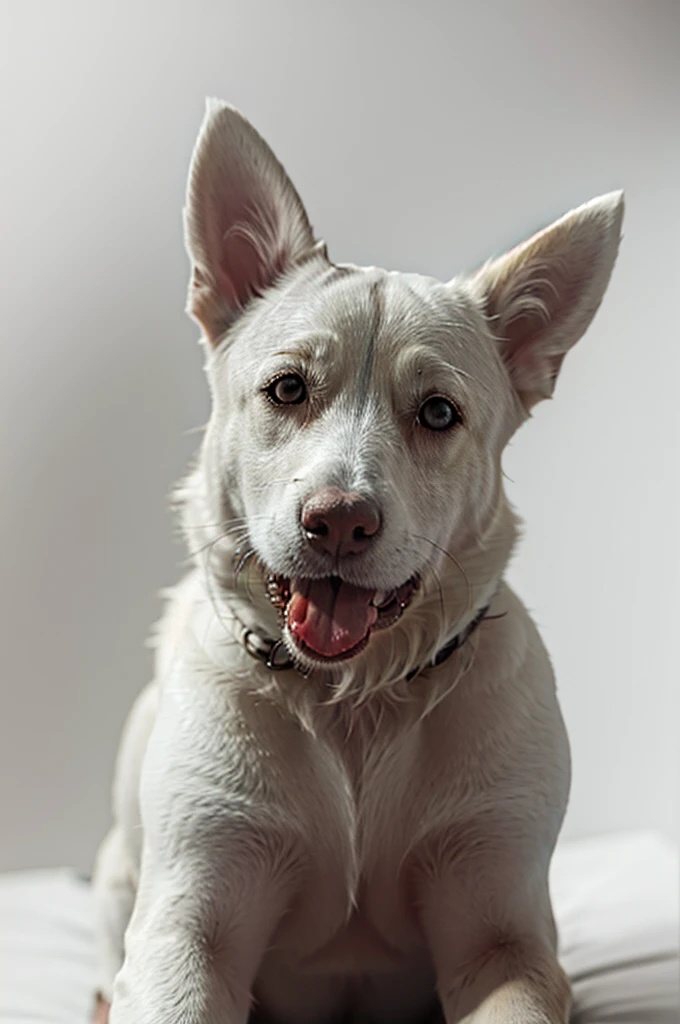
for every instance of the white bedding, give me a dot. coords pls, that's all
(617, 904)
(616, 901)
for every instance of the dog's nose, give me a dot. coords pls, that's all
(340, 523)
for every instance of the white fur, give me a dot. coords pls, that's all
(348, 839)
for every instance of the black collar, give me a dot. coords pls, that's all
(458, 640)
(274, 654)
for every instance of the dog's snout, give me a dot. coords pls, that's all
(340, 522)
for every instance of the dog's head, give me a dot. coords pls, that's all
(359, 416)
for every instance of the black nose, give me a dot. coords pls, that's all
(340, 523)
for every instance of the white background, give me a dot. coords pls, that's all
(422, 136)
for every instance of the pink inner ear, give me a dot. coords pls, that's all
(531, 367)
(241, 272)
(252, 257)
(250, 261)
(529, 311)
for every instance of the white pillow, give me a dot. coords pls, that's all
(47, 967)
(616, 900)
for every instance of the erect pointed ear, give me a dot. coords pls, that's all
(244, 222)
(542, 295)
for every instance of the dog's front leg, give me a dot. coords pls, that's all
(490, 930)
(194, 945)
(217, 868)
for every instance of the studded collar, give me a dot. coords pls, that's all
(274, 655)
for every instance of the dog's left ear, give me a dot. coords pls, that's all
(542, 295)
(245, 224)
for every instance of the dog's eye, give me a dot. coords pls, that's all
(438, 413)
(287, 390)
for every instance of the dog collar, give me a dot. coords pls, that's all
(274, 655)
(458, 640)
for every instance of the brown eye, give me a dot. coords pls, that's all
(437, 413)
(287, 390)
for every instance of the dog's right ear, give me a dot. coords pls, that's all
(541, 296)
(244, 222)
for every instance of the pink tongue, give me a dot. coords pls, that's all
(330, 616)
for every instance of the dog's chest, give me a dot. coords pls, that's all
(355, 904)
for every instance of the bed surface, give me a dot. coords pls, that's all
(616, 900)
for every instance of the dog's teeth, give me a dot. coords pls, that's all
(381, 597)
(278, 592)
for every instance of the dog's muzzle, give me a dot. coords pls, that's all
(330, 620)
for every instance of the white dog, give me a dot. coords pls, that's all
(340, 796)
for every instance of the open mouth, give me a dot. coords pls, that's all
(330, 620)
